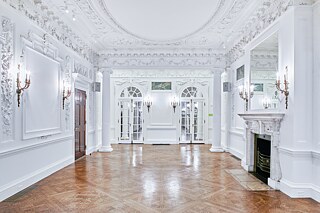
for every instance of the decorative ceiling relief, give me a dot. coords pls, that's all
(83, 70)
(40, 14)
(7, 53)
(164, 58)
(260, 20)
(161, 73)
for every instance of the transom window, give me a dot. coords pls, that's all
(131, 92)
(191, 92)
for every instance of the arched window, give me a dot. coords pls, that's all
(191, 92)
(130, 92)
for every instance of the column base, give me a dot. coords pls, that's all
(216, 149)
(106, 149)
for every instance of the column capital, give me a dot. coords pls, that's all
(217, 70)
(106, 70)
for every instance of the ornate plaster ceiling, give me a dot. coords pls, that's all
(164, 20)
(109, 24)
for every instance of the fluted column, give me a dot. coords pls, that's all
(216, 142)
(106, 143)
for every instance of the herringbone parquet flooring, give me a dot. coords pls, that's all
(146, 178)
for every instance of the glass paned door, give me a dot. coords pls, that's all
(192, 121)
(198, 121)
(131, 121)
(185, 121)
(124, 120)
(137, 121)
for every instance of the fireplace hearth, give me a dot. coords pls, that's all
(262, 136)
(262, 157)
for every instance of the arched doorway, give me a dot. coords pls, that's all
(192, 108)
(131, 116)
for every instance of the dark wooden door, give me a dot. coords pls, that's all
(80, 123)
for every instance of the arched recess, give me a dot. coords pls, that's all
(192, 112)
(130, 108)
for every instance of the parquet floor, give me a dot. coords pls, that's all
(146, 178)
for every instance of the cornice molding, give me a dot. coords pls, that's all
(268, 12)
(162, 73)
(205, 58)
(40, 14)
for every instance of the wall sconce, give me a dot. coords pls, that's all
(244, 94)
(266, 102)
(174, 103)
(66, 93)
(285, 90)
(148, 102)
(26, 85)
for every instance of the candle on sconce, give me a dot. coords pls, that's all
(278, 76)
(28, 76)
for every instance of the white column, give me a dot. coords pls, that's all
(226, 108)
(106, 144)
(216, 142)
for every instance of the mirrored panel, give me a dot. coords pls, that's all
(264, 67)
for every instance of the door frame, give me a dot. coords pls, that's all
(83, 84)
(130, 100)
(192, 100)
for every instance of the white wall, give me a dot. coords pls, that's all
(299, 49)
(37, 139)
(316, 98)
(161, 123)
(236, 131)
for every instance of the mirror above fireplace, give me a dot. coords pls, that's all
(263, 74)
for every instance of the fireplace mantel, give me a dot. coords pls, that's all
(265, 123)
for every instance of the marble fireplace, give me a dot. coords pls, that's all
(267, 124)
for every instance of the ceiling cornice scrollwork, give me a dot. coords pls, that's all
(268, 12)
(163, 58)
(40, 14)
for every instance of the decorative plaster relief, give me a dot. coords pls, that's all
(260, 20)
(66, 67)
(7, 49)
(80, 69)
(39, 13)
(123, 73)
(163, 58)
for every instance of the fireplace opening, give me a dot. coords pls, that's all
(262, 157)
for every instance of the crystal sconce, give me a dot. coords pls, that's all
(66, 93)
(148, 102)
(284, 90)
(244, 94)
(20, 89)
(174, 103)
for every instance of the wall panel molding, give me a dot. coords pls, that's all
(33, 146)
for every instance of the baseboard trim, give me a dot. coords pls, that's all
(235, 153)
(300, 190)
(16, 186)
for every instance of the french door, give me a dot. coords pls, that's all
(192, 121)
(131, 121)
(80, 123)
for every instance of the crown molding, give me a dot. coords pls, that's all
(40, 14)
(266, 14)
(126, 58)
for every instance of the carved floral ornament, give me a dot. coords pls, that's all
(38, 12)
(7, 48)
